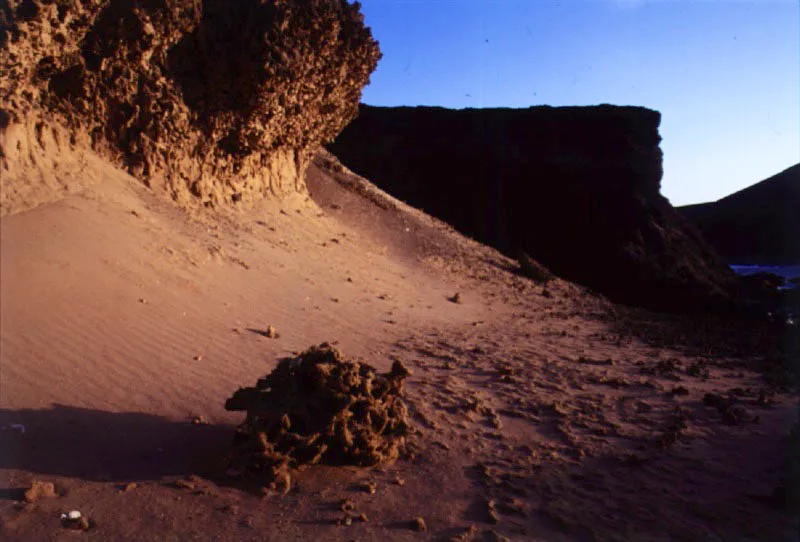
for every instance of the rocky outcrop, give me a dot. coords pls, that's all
(757, 225)
(319, 407)
(576, 188)
(215, 101)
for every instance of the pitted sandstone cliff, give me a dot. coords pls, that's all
(213, 100)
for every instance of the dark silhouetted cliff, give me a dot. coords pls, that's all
(757, 225)
(216, 101)
(577, 188)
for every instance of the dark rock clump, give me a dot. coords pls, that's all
(320, 407)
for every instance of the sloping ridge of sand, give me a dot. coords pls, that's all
(124, 318)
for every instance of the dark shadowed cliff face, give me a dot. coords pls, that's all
(577, 188)
(216, 101)
(757, 225)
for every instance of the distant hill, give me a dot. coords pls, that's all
(757, 225)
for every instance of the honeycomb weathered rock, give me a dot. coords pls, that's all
(224, 101)
(319, 407)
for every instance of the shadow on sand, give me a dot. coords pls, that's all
(107, 446)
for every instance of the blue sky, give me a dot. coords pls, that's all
(725, 74)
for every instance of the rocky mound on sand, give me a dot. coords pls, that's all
(576, 188)
(757, 225)
(212, 100)
(319, 407)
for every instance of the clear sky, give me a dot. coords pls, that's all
(725, 74)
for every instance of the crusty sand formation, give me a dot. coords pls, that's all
(216, 101)
(320, 407)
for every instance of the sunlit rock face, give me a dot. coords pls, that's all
(216, 101)
(576, 188)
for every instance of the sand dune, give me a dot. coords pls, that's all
(124, 317)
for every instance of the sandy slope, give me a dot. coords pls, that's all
(122, 318)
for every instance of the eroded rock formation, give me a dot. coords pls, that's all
(576, 188)
(319, 407)
(214, 100)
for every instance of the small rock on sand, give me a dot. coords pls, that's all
(492, 512)
(77, 521)
(419, 525)
(369, 487)
(185, 484)
(40, 490)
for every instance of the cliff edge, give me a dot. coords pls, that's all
(576, 188)
(213, 101)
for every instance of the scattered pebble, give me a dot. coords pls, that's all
(419, 525)
(271, 333)
(346, 505)
(76, 520)
(184, 484)
(455, 299)
(198, 357)
(492, 512)
(369, 487)
(130, 487)
(282, 483)
(40, 490)
(363, 518)
(200, 420)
